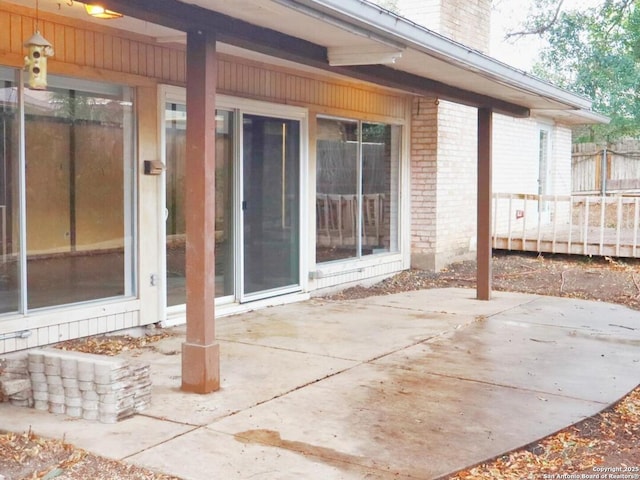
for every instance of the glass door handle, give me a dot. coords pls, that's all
(244, 205)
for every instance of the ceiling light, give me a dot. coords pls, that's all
(98, 11)
(362, 55)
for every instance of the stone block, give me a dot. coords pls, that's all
(74, 402)
(90, 404)
(51, 370)
(75, 412)
(54, 380)
(57, 408)
(21, 403)
(56, 398)
(86, 386)
(36, 367)
(72, 393)
(90, 395)
(69, 368)
(11, 387)
(55, 390)
(85, 375)
(15, 365)
(38, 377)
(70, 383)
(22, 395)
(36, 356)
(90, 414)
(40, 396)
(108, 418)
(39, 387)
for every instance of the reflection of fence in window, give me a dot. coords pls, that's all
(337, 199)
(337, 216)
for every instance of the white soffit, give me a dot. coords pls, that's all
(343, 24)
(350, 26)
(362, 55)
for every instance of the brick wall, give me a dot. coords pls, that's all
(424, 154)
(457, 183)
(444, 148)
(443, 182)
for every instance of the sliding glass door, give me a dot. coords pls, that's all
(175, 154)
(270, 204)
(257, 182)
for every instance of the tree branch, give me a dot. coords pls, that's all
(540, 29)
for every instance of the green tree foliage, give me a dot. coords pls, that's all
(594, 52)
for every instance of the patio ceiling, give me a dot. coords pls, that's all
(342, 37)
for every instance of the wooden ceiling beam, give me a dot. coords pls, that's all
(186, 17)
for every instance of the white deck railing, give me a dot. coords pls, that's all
(572, 224)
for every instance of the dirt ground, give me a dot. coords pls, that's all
(608, 440)
(604, 279)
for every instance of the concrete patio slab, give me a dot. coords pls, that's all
(594, 318)
(118, 440)
(224, 456)
(405, 422)
(250, 375)
(344, 330)
(456, 301)
(541, 358)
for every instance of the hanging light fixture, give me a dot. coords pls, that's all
(98, 11)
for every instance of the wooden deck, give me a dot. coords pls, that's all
(581, 225)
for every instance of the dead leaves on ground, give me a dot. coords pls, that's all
(111, 344)
(30, 457)
(609, 438)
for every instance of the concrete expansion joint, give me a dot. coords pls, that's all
(520, 305)
(164, 441)
(300, 387)
(165, 419)
(283, 349)
(520, 389)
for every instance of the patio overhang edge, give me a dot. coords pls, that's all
(186, 17)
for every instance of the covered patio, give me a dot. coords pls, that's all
(412, 385)
(352, 39)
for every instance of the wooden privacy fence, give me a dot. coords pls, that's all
(570, 224)
(598, 170)
(337, 219)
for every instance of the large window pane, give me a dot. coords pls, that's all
(357, 198)
(380, 161)
(9, 205)
(337, 169)
(78, 190)
(175, 131)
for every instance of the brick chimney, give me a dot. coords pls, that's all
(465, 21)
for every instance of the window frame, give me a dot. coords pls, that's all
(130, 189)
(396, 244)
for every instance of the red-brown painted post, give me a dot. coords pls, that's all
(200, 352)
(485, 128)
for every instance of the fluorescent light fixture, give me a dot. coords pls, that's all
(98, 11)
(362, 55)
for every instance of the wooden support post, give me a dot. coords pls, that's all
(200, 353)
(485, 119)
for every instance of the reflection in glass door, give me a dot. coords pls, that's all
(270, 205)
(175, 141)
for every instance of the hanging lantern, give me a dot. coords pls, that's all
(36, 61)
